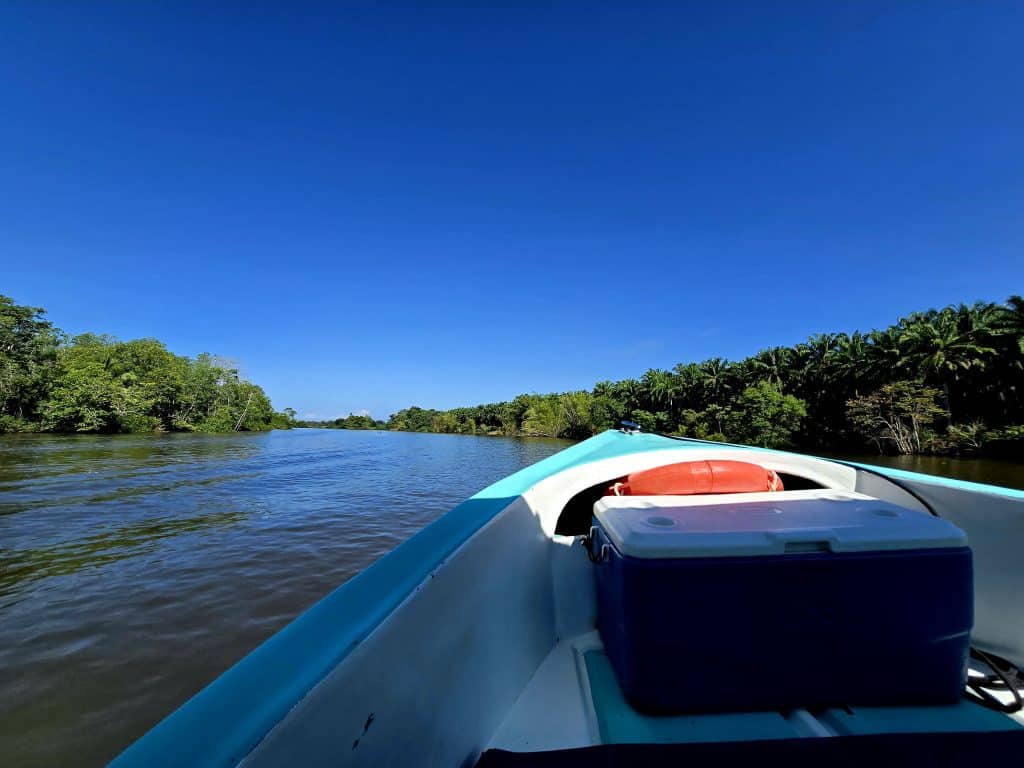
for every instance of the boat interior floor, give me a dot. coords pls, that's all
(935, 750)
(573, 712)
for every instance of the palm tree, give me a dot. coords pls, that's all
(821, 345)
(884, 354)
(800, 369)
(1004, 384)
(813, 355)
(713, 379)
(953, 342)
(1009, 321)
(849, 360)
(772, 364)
(689, 380)
(630, 392)
(661, 387)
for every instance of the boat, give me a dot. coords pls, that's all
(476, 642)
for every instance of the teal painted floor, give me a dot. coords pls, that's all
(619, 723)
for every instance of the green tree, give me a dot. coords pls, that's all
(661, 388)
(94, 392)
(577, 415)
(764, 415)
(884, 354)
(285, 419)
(1011, 321)
(944, 345)
(772, 364)
(544, 417)
(714, 377)
(84, 400)
(823, 373)
(95, 383)
(28, 356)
(898, 414)
(848, 361)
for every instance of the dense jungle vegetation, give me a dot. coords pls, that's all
(52, 383)
(941, 381)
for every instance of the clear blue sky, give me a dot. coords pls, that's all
(370, 206)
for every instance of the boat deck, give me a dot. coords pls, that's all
(574, 700)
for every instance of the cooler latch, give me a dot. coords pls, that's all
(588, 544)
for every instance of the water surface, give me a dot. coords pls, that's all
(133, 570)
(977, 470)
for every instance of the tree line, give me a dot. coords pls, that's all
(50, 382)
(940, 381)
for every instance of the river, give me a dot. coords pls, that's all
(133, 570)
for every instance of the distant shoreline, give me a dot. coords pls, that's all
(938, 382)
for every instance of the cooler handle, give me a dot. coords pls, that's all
(800, 542)
(588, 544)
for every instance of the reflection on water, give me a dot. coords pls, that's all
(133, 570)
(99, 549)
(1009, 474)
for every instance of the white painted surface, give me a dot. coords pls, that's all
(757, 524)
(558, 693)
(441, 673)
(551, 712)
(590, 641)
(731, 499)
(572, 582)
(995, 529)
(550, 496)
(473, 657)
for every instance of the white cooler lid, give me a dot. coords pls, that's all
(785, 522)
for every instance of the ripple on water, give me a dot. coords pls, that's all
(133, 570)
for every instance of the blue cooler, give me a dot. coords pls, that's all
(781, 600)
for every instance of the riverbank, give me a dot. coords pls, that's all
(97, 384)
(1006, 449)
(936, 382)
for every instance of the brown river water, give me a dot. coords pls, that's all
(135, 569)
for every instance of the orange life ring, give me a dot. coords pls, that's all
(693, 477)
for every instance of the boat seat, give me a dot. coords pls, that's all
(934, 750)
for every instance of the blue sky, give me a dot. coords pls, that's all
(374, 205)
